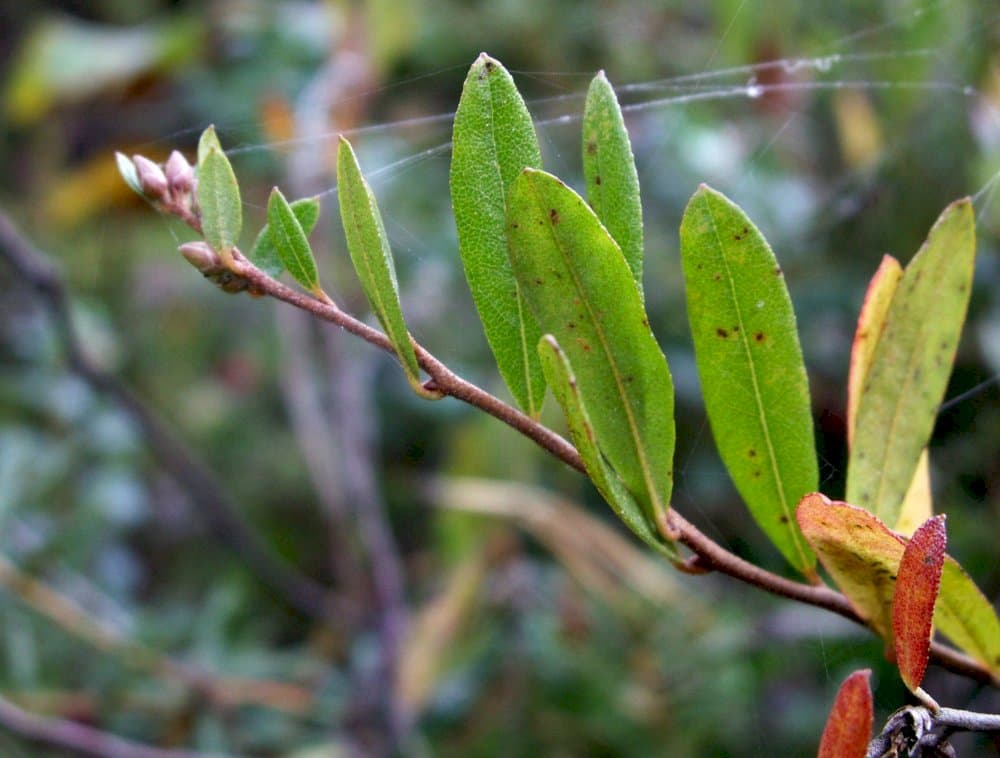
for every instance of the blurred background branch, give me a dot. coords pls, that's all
(220, 513)
(80, 739)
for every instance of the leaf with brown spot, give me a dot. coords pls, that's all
(849, 726)
(917, 585)
(910, 365)
(609, 170)
(588, 283)
(754, 380)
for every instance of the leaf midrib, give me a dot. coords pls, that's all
(896, 411)
(658, 506)
(286, 228)
(761, 415)
(375, 293)
(533, 408)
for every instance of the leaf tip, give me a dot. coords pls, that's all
(703, 192)
(485, 61)
(206, 141)
(889, 261)
(849, 725)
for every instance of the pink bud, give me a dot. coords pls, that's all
(151, 177)
(202, 257)
(179, 173)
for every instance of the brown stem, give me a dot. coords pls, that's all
(710, 555)
(443, 378)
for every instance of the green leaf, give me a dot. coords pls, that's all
(219, 201)
(206, 142)
(967, 618)
(372, 257)
(863, 555)
(849, 726)
(917, 585)
(911, 363)
(264, 254)
(750, 364)
(576, 281)
(127, 169)
(609, 169)
(559, 375)
(290, 241)
(493, 140)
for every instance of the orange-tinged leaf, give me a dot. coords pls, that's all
(849, 726)
(917, 504)
(862, 556)
(871, 320)
(917, 585)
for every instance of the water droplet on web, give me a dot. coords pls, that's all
(825, 64)
(753, 89)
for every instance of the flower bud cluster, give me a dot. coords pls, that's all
(171, 185)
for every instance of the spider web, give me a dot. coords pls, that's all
(752, 130)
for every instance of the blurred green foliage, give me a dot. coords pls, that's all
(835, 175)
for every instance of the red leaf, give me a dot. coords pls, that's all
(849, 726)
(917, 585)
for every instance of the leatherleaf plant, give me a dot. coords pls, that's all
(557, 279)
